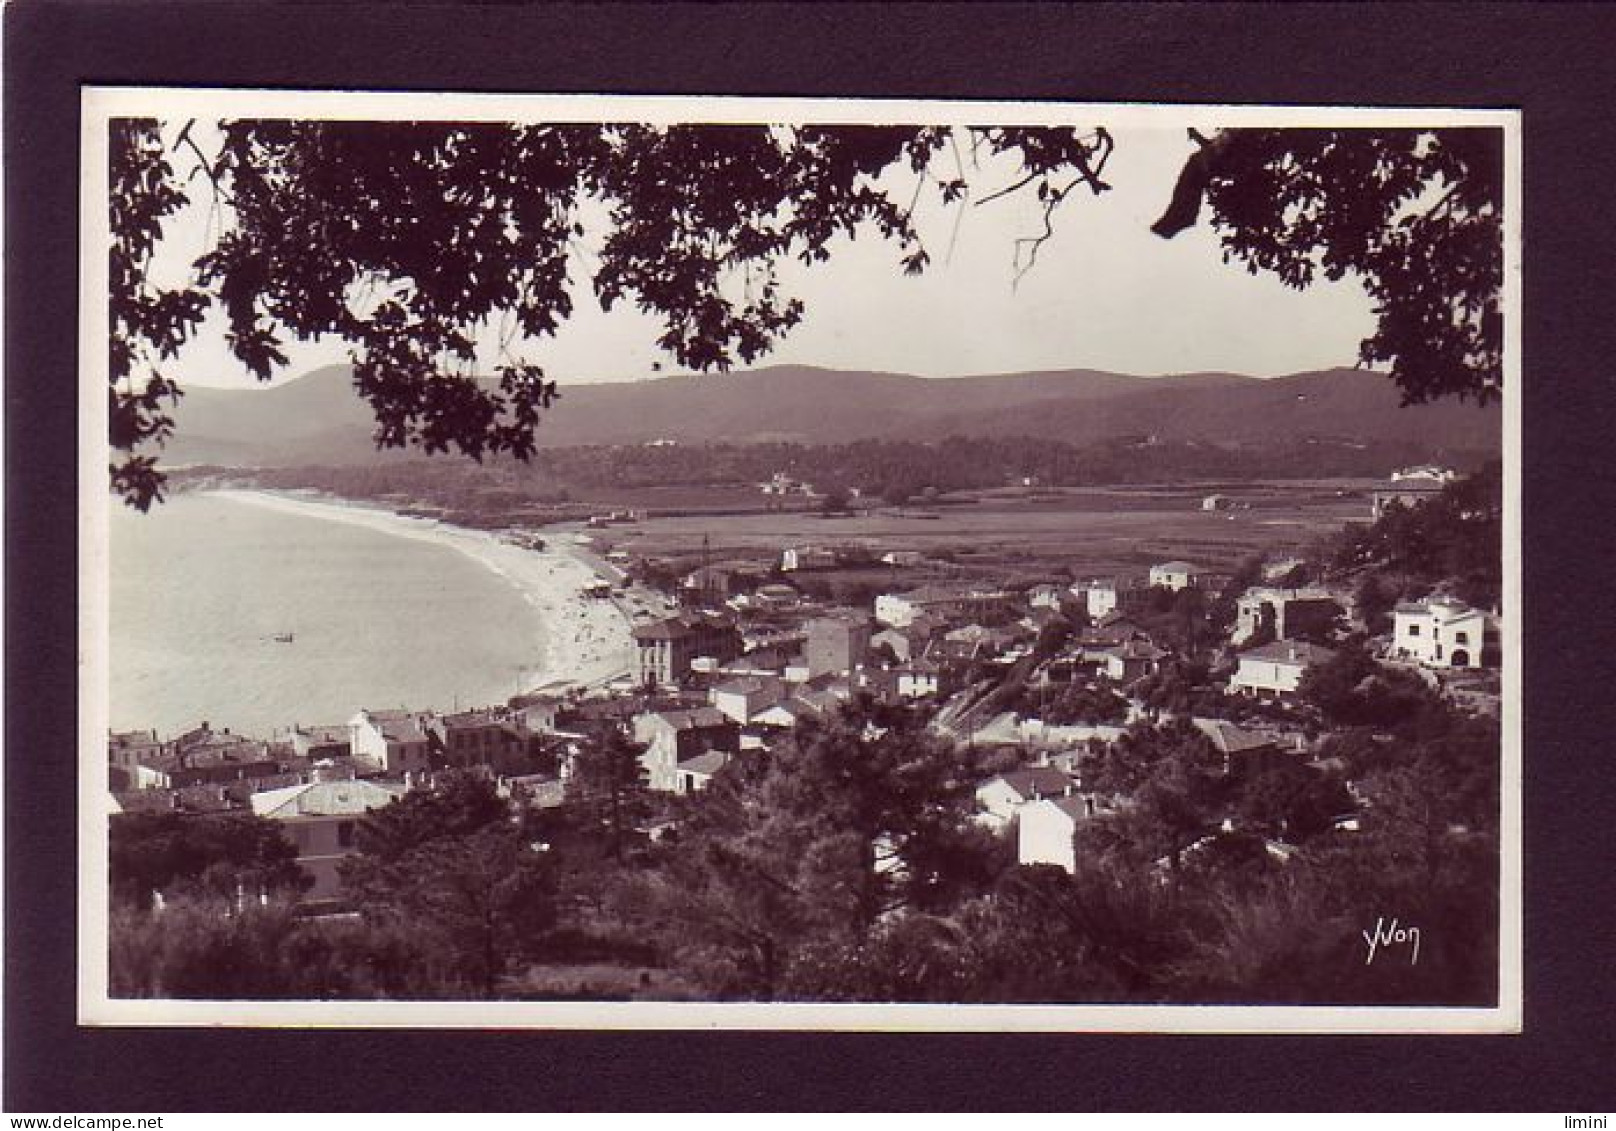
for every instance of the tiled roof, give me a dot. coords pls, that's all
(325, 733)
(1135, 650)
(402, 730)
(1232, 739)
(1036, 780)
(323, 799)
(1074, 807)
(745, 685)
(480, 718)
(709, 763)
(678, 627)
(796, 708)
(695, 718)
(1290, 651)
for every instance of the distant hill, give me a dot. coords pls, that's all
(317, 419)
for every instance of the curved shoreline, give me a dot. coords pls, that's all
(587, 641)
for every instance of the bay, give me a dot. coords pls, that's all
(203, 586)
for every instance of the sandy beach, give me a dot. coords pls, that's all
(587, 640)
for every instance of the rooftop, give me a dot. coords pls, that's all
(485, 717)
(1290, 651)
(1037, 780)
(323, 799)
(709, 763)
(695, 718)
(335, 732)
(1232, 739)
(679, 626)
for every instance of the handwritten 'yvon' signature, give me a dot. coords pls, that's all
(1392, 934)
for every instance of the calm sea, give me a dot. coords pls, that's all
(203, 585)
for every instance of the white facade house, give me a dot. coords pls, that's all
(393, 743)
(1439, 633)
(1409, 487)
(1046, 830)
(1107, 594)
(1045, 596)
(1276, 669)
(796, 558)
(741, 699)
(923, 679)
(672, 738)
(1000, 798)
(1174, 575)
(1284, 612)
(321, 818)
(694, 774)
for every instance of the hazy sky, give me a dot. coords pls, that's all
(1105, 294)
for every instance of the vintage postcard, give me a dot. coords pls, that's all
(608, 562)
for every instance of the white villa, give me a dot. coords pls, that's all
(1439, 633)
(1275, 670)
(321, 819)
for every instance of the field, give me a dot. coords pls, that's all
(1086, 531)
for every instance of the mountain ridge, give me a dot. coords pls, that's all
(317, 418)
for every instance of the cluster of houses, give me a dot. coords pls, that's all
(714, 678)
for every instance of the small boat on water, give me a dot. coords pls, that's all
(283, 638)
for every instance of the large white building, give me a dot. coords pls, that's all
(1439, 633)
(1047, 829)
(1276, 670)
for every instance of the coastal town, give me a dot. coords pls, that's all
(1264, 670)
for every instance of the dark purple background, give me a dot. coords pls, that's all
(1553, 61)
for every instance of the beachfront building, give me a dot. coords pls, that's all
(1440, 633)
(666, 648)
(673, 737)
(391, 743)
(479, 738)
(321, 819)
(1284, 613)
(721, 580)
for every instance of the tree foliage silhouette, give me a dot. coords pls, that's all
(407, 240)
